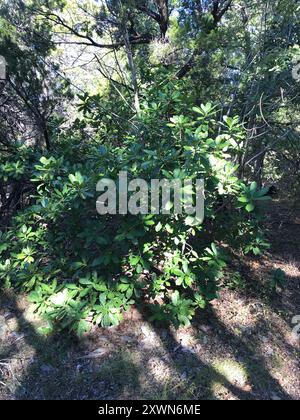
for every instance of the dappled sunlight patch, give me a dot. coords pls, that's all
(160, 369)
(60, 298)
(291, 268)
(220, 392)
(290, 265)
(149, 338)
(236, 312)
(186, 337)
(232, 371)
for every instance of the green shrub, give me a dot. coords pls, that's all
(78, 265)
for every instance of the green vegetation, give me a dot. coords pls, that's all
(160, 89)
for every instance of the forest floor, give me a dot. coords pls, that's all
(242, 347)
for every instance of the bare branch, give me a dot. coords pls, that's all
(88, 40)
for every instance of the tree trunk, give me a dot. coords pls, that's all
(163, 8)
(132, 67)
(259, 169)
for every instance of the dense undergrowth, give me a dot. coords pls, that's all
(80, 267)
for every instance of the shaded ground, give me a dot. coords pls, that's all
(241, 348)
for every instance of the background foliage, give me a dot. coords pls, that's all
(162, 89)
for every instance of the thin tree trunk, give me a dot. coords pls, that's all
(259, 169)
(128, 48)
(133, 72)
(163, 7)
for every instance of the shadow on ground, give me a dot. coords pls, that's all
(250, 354)
(155, 364)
